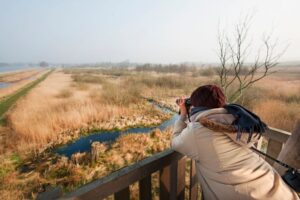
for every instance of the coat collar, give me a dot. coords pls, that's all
(203, 118)
(207, 120)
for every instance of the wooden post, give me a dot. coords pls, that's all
(123, 194)
(97, 149)
(172, 180)
(258, 145)
(145, 188)
(165, 183)
(193, 193)
(290, 153)
(181, 179)
(274, 148)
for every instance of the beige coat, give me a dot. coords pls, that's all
(226, 169)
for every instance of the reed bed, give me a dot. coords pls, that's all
(55, 106)
(73, 100)
(81, 168)
(18, 80)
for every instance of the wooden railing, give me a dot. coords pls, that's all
(276, 139)
(171, 167)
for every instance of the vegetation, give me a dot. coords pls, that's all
(234, 53)
(81, 168)
(74, 102)
(7, 102)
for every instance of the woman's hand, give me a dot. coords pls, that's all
(181, 104)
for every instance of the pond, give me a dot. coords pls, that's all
(4, 84)
(83, 144)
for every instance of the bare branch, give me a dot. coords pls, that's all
(234, 53)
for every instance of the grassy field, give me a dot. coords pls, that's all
(73, 102)
(8, 101)
(18, 80)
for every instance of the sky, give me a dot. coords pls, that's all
(156, 31)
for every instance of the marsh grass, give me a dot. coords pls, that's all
(80, 86)
(58, 112)
(168, 82)
(65, 93)
(113, 94)
(88, 78)
(276, 101)
(112, 98)
(7, 102)
(113, 71)
(70, 174)
(284, 115)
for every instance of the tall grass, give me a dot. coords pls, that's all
(55, 107)
(7, 102)
(278, 114)
(65, 93)
(88, 78)
(113, 94)
(276, 101)
(70, 101)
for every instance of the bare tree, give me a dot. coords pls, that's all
(235, 76)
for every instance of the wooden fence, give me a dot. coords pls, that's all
(172, 168)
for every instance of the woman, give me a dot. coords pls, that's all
(226, 167)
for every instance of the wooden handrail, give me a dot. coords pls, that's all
(277, 134)
(276, 139)
(121, 179)
(171, 166)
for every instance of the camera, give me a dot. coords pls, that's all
(187, 103)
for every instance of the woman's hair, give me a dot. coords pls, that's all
(210, 96)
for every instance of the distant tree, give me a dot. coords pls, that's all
(234, 75)
(43, 64)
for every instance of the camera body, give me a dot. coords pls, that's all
(187, 103)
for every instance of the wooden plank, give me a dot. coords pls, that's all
(145, 188)
(193, 190)
(181, 179)
(172, 180)
(258, 145)
(274, 148)
(165, 183)
(123, 194)
(277, 134)
(290, 153)
(51, 193)
(122, 178)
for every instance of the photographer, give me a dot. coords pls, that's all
(218, 136)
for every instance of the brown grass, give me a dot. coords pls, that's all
(65, 93)
(17, 76)
(55, 106)
(127, 150)
(67, 103)
(278, 114)
(19, 80)
(276, 99)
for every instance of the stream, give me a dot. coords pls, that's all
(83, 144)
(4, 84)
(8, 84)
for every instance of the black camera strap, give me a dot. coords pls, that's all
(275, 160)
(291, 176)
(188, 114)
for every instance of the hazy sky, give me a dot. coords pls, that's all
(166, 31)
